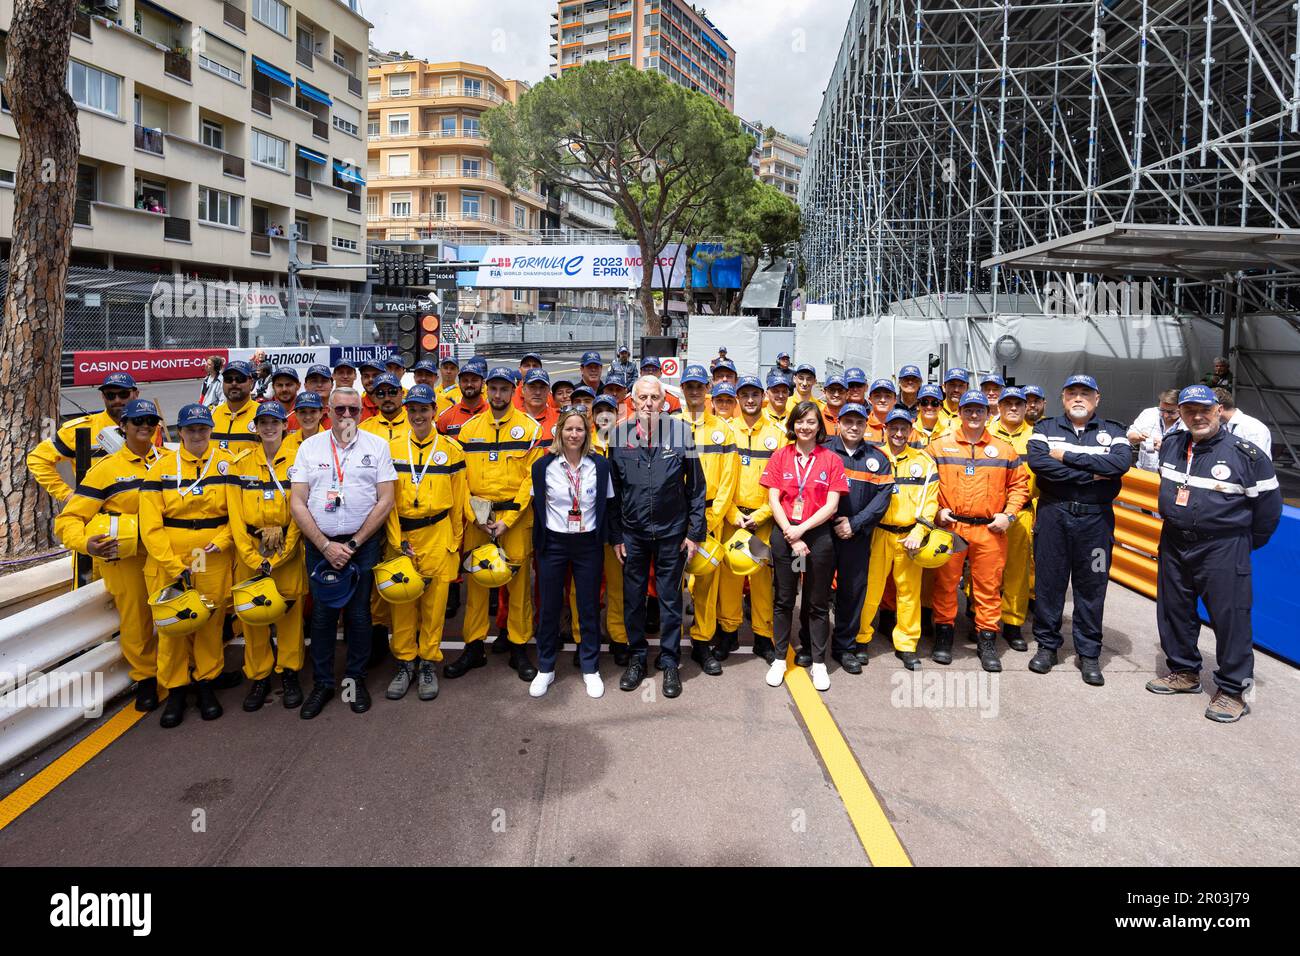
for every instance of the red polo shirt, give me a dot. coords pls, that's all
(825, 476)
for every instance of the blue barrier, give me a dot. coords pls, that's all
(1275, 614)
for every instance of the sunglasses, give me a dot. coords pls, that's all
(347, 411)
(147, 421)
(234, 379)
(387, 393)
(574, 410)
(929, 403)
(115, 395)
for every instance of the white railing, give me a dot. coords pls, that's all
(428, 134)
(431, 92)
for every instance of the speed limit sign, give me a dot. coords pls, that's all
(670, 369)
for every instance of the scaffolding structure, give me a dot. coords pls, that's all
(954, 132)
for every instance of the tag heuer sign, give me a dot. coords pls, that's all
(401, 306)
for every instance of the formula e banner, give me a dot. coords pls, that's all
(153, 365)
(609, 266)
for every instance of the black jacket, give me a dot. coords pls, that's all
(658, 482)
(870, 485)
(605, 517)
(1094, 462)
(1231, 487)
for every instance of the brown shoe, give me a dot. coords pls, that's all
(1227, 708)
(1176, 682)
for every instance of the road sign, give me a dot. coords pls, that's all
(669, 368)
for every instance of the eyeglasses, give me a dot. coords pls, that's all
(235, 379)
(146, 422)
(347, 411)
(114, 394)
(386, 393)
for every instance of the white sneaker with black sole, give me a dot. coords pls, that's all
(541, 684)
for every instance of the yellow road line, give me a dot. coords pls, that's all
(26, 796)
(865, 812)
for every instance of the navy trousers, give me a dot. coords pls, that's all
(356, 618)
(669, 565)
(1071, 550)
(585, 556)
(851, 561)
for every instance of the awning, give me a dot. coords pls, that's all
(310, 156)
(274, 72)
(312, 93)
(1154, 249)
(348, 174)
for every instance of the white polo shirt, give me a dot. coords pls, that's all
(364, 463)
(1252, 429)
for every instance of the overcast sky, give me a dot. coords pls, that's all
(784, 48)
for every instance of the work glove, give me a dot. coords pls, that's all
(271, 541)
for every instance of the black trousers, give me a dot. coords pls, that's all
(1218, 571)
(851, 561)
(817, 570)
(669, 565)
(584, 555)
(1071, 550)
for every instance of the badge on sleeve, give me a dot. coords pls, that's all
(990, 452)
(873, 465)
(516, 433)
(1103, 438)
(915, 470)
(717, 437)
(440, 458)
(223, 467)
(769, 442)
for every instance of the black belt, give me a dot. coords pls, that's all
(414, 524)
(965, 519)
(1184, 534)
(745, 511)
(194, 524)
(1074, 507)
(896, 528)
(341, 538)
(505, 506)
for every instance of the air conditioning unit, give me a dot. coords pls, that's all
(111, 5)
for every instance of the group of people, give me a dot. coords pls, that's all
(867, 505)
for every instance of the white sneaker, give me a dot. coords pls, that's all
(776, 673)
(821, 678)
(595, 686)
(541, 684)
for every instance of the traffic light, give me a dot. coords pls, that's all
(430, 325)
(408, 338)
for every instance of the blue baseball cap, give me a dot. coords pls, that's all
(728, 364)
(834, 380)
(386, 378)
(582, 390)
(345, 363)
(992, 379)
(591, 358)
(308, 400)
(805, 367)
(614, 380)
(420, 395)
(956, 374)
(1011, 392)
(240, 366)
(561, 380)
(930, 391)
(974, 397)
(883, 385)
(140, 408)
(288, 371)
(1085, 380)
(748, 381)
(854, 408)
(1197, 395)
(501, 373)
(118, 380)
(475, 366)
(194, 414)
(425, 365)
(722, 350)
(910, 371)
(895, 415)
(1034, 390)
(536, 356)
(537, 375)
(776, 378)
(650, 361)
(695, 373)
(333, 587)
(605, 401)
(723, 388)
(271, 409)
(377, 363)
(322, 370)
(855, 376)
(395, 358)
(449, 360)
(781, 355)
(624, 348)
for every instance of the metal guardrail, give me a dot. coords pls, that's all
(515, 349)
(1134, 560)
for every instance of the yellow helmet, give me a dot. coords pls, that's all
(258, 601)
(746, 552)
(125, 528)
(398, 580)
(706, 557)
(939, 546)
(178, 611)
(488, 565)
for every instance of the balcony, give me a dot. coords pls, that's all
(81, 24)
(233, 16)
(261, 103)
(320, 128)
(232, 165)
(354, 202)
(176, 64)
(438, 92)
(149, 140)
(354, 85)
(302, 186)
(261, 244)
(304, 55)
(81, 213)
(319, 253)
(178, 230)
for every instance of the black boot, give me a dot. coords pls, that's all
(472, 656)
(763, 648)
(633, 676)
(292, 689)
(520, 661)
(848, 661)
(704, 653)
(1091, 668)
(453, 600)
(209, 706)
(942, 653)
(146, 695)
(1044, 660)
(174, 709)
(501, 643)
(724, 643)
(861, 651)
(257, 695)
(986, 644)
(911, 660)
(1015, 639)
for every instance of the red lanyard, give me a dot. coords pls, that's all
(338, 467)
(801, 481)
(575, 482)
(1187, 477)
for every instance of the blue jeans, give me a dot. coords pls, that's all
(356, 618)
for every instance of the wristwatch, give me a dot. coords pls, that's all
(352, 544)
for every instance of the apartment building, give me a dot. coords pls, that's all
(755, 131)
(781, 161)
(669, 36)
(208, 130)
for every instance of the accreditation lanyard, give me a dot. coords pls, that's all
(334, 496)
(1184, 490)
(194, 487)
(417, 477)
(268, 494)
(801, 477)
(575, 494)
